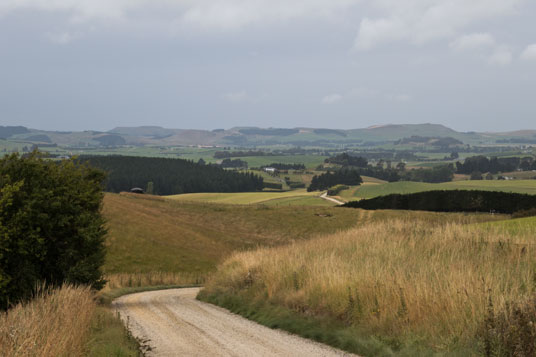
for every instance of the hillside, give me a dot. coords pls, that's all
(253, 136)
(401, 288)
(149, 233)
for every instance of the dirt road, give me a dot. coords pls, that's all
(334, 200)
(173, 323)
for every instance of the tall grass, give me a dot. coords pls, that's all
(137, 280)
(54, 323)
(400, 280)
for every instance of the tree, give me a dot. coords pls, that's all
(51, 228)
(476, 175)
(489, 176)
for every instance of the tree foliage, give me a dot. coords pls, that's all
(51, 228)
(451, 201)
(494, 165)
(171, 176)
(343, 176)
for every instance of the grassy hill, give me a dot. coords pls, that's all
(401, 287)
(374, 190)
(149, 233)
(248, 198)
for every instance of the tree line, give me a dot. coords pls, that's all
(344, 176)
(451, 201)
(171, 176)
(494, 165)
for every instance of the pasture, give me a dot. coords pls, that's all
(250, 198)
(404, 187)
(154, 234)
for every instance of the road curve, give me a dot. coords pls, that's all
(174, 323)
(334, 200)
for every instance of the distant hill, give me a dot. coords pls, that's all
(9, 131)
(254, 136)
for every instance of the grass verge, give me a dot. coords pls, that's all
(324, 330)
(55, 323)
(416, 286)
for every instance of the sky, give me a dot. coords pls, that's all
(206, 64)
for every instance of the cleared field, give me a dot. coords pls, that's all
(245, 198)
(403, 287)
(517, 186)
(151, 234)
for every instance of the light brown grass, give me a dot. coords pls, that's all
(399, 278)
(54, 323)
(136, 280)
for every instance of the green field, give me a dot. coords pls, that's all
(301, 197)
(520, 226)
(404, 187)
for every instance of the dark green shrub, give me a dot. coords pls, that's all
(51, 228)
(451, 201)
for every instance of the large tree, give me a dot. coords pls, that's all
(51, 228)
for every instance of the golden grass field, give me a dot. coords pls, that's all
(52, 324)
(151, 234)
(400, 279)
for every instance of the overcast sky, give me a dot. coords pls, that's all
(97, 64)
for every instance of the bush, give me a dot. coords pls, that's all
(476, 175)
(343, 176)
(525, 213)
(335, 190)
(451, 201)
(51, 228)
(271, 185)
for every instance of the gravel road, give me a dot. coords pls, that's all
(174, 323)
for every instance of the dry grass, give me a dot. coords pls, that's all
(136, 280)
(401, 279)
(148, 233)
(55, 323)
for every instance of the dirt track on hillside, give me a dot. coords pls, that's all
(174, 323)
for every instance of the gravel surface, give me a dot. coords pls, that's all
(173, 323)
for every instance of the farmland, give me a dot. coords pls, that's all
(403, 187)
(248, 198)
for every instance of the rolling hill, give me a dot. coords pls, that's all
(253, 136)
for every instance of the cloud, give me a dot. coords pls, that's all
(208, 14)
(62, 38)
(332, 98)
(365, 93)
(473, 41)
(422, 21)
(399, 98)
(529, 53)
(501, 57)
(236, 97)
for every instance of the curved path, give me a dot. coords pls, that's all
(328, 198)
(174, 323)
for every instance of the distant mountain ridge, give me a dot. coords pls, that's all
(255, 136)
